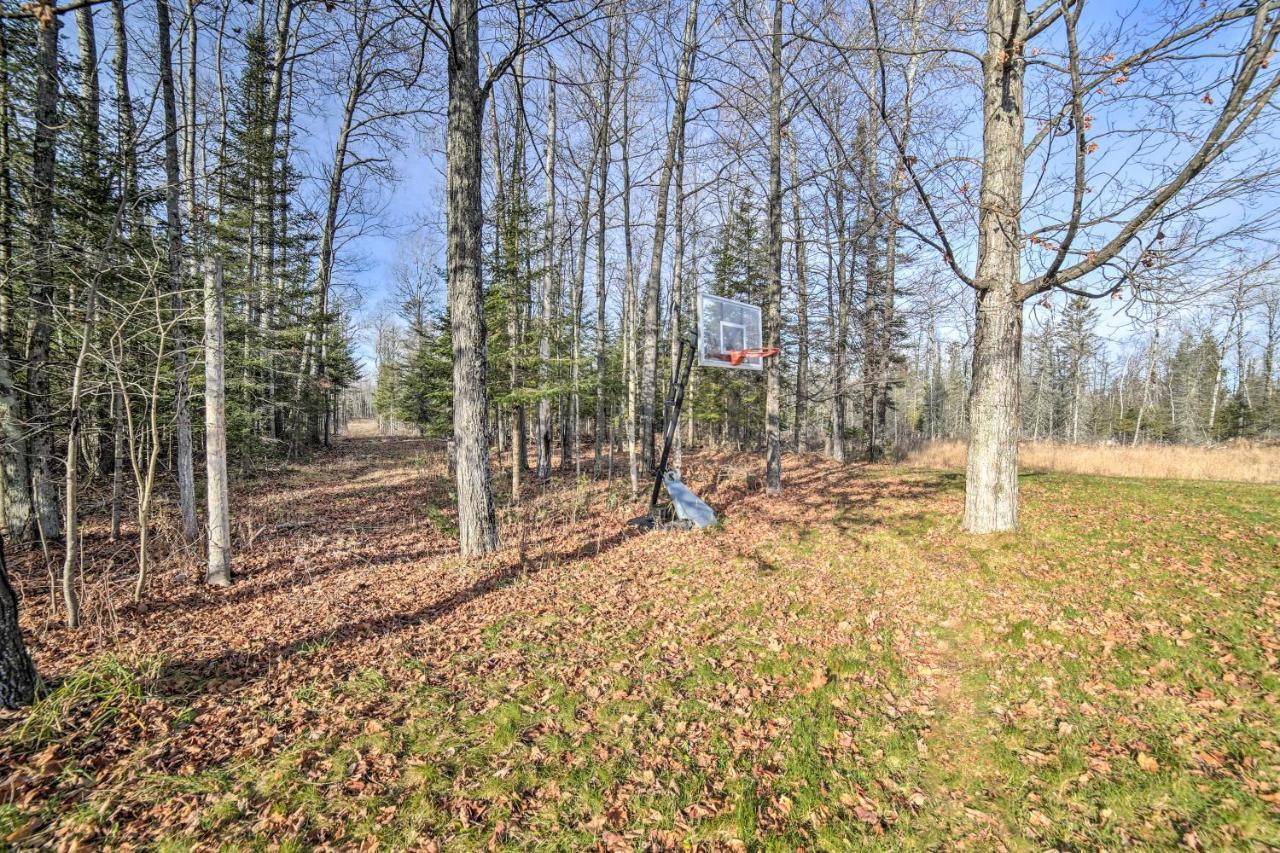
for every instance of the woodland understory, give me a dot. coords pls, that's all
(842, 665)
(334, 340)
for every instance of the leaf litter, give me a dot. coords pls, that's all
(840, 666)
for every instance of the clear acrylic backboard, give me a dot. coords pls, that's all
(725, 327)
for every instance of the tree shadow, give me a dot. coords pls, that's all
(178, 675)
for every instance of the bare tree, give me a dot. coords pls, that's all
(550, 292)
(218, 569)
(43, 173)
(773, 288)
(477, 520)
(173, 232)
(653, 285)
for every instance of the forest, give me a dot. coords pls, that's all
(340, 340)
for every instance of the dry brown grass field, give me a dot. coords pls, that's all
(1236, 462)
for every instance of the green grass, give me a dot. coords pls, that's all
(1105, 678)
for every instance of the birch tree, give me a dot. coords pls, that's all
(218, 565)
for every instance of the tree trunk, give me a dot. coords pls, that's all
(15, 500)
(218, 569)
(173, 232)
(991, 483)
(802, 307)
(125, 142)
(90, 98)
(653, 285)
(870, 223)
(18, 678)
(773, 287)
(477, 521)
(517, 210)
(629, 296)
(70, 598)
(576, 298)
(838, 314)
(603, 145)
(117, 463)
(43, 161)
(896, 182)
(15, 476)
(676, 460)
(549, 291)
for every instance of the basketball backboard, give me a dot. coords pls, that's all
(727, 328)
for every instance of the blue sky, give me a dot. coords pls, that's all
(412, 202)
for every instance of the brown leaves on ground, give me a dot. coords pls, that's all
(839, 660)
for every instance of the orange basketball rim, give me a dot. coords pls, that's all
(737, 356)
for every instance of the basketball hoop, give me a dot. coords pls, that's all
(727, 335)
(737, 356)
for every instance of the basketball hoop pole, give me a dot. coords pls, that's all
(674, 403)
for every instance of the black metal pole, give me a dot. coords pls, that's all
(674, 402)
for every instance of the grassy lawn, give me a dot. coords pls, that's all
(841, 667)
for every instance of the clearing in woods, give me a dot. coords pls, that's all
(839, 666)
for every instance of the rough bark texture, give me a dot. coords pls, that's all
(991, 483)
(43, 161)
(17, 673)
(218, 569)
(477, 521)
(773, 286)
(15, 500)
(173, 232)
(15, 476)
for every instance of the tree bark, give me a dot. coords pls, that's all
(218, 568)
(838, 319)
(125, 142)
(173, 232)
(43, 171)
(549, 291)
(18, 679)
(629, 296)
(773, 285)
(991, 483)
(653, 285)
(603, 146)
(15, 475)
(477, 520)
(70, 597)
(90, 98)
(676, 460)
(517, 211)
(802, 307)
(576, 299)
